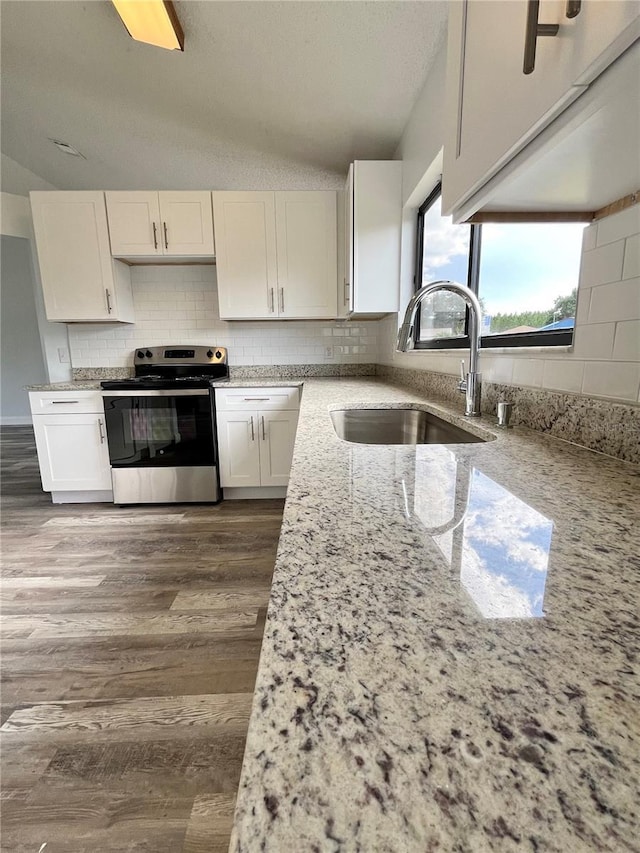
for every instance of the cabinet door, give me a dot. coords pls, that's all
(307, 254)
(348, 261)
(376, 228)
(134, 223)
(187, 223)
(277, 438)
(494, 108)
(245, 234)
(72, 241)
(72, 452)
(239, 448)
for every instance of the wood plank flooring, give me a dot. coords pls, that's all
(130, 645)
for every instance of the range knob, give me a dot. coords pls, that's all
(140, 354)
(149, 354)
(209, 353)
(218, 354)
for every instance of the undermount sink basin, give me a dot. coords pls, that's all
(397, 426)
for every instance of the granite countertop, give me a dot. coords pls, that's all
(94, 385)
(449, 655)
(84, 385)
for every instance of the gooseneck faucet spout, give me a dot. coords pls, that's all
(470, 384)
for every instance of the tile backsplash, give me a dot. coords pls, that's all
(179, 305)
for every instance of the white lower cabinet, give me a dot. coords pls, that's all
(72, 445)
(239, 449)
(256, 444)
(72, 452)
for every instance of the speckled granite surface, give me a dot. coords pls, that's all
(80, 385)
(602, 425)
(81, 374)
(274, 371)
(449, 661)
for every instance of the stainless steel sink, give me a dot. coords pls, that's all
(397, 426)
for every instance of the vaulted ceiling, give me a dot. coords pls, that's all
(278, 94)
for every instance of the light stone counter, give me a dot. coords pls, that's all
(93, 385)
(83, 385)
(449, 655)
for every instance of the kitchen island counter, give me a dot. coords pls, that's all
(448, 660)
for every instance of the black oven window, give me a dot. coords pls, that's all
(160, 431)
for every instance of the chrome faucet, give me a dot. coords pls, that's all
(470, 383)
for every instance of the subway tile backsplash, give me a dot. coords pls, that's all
(179, 304)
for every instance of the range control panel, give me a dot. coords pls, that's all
(181, 355)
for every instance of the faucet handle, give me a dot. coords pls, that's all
(462, 382)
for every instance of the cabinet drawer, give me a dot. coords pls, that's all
(65, 402)
(250, 399)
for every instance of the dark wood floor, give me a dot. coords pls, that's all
(130, 644)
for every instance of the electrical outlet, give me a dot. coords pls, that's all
(63, 355)
(328, 352)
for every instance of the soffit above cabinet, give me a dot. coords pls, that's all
(586, 159)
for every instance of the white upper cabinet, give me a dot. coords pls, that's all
(494, 108)
(247, 266)
(372, 238)
(160, 224)
(306, 239)
(80, 280)
(276, 254)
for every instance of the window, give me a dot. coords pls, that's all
(525, 275)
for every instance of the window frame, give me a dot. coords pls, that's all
(550, 338)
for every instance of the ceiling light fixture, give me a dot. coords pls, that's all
(151, 21)
(66, 148)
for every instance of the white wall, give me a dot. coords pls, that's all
(21, 360)
(14, 178)
(15, 220)
(179, 304)
(605, 358)
(420, 150)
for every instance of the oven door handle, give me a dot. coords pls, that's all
(184, 392)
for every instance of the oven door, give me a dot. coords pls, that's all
(165, 429)
(162, 445)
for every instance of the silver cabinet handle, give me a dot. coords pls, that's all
(346, 292)
(109, 306)
(253, 434)
(534, 29)
(256, 399)
(264, 435)
(101, 431)
(155, 235)
(166, 241)
(63, 402)
(273, 307)
(573, 8)
(282, 299)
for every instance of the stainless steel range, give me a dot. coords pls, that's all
(161, 426)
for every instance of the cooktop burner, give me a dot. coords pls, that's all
(168, 367)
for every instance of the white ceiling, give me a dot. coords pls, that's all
(266, 94)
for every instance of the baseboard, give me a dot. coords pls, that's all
(239, 493)
(98, 497)
(16, 420)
